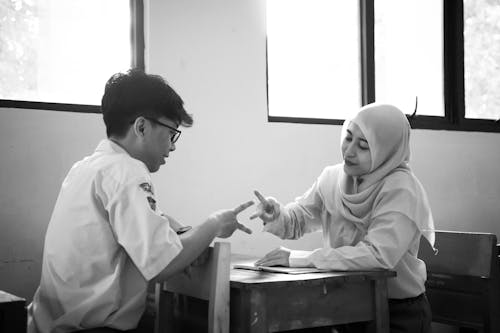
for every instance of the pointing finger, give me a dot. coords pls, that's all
(242, 207)
(255, 215)
(244, 229)
(261, 198)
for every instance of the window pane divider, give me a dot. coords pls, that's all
(453, 61)
(367, 56)
(297, 120)
(83, 108)
(137, 33)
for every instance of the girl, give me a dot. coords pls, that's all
(372, 211)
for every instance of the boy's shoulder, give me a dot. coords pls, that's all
(116, 167)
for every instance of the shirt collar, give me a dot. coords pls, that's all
(109, 146)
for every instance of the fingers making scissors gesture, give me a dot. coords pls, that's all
(227, 221)
(267, 210)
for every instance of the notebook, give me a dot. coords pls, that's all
(280, 269)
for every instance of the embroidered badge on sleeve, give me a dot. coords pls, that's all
(147, 188)
(152, 203)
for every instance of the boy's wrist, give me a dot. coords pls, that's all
(213, 224)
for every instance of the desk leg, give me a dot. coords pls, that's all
(248, 311)
(381, 306)
(165, 311)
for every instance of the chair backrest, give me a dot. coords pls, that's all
(208, 281)
(13, 315)
(463, 279)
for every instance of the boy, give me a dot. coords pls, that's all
(107, 237)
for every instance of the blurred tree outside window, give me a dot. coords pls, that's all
(482, 58)
(61, 51)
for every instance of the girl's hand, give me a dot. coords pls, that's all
(267, 210)
(277, 257)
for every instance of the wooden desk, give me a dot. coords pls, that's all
(270, 302)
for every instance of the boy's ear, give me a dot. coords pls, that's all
(139, 126)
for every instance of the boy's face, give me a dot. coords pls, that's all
(157, 143)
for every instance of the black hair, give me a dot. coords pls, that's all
(136, 93)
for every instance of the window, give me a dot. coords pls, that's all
(312, 72)
(408, 55)
(58, 54)
(444, 54)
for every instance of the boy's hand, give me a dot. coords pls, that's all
(227, 221)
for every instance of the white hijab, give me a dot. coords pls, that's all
(387, 132)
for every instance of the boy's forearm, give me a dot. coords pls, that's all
(194, 242)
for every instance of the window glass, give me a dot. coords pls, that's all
(313, 58)
(482, 59)
(62, 51)
(409, 54)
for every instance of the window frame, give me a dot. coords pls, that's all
(137, 61)
(453, 67)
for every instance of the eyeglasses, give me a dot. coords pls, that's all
(175, 136)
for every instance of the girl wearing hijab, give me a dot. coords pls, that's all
(372, 211)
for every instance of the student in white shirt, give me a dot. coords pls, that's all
(107, 237)
(372, 211)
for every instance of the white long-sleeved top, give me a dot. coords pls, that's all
(386, 241)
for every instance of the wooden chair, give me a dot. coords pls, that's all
(463, 280)
(207, 282)
(13, 315)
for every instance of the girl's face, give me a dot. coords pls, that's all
(356, 152)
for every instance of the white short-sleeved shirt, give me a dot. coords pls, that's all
(105, 240)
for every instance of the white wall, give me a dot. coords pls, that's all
(213, 53)
(37, 148)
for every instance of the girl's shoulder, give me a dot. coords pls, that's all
(330, 174)
(399, 179)
(332, 169)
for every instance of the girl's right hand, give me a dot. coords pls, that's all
(267, 210)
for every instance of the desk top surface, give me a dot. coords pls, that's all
(242, 278)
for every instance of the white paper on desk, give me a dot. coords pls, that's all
(280, 269)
